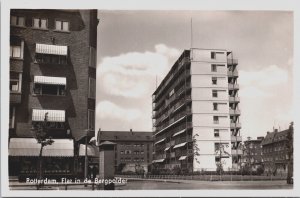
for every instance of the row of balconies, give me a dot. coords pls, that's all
(183, 61)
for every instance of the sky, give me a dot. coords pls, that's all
(136, 49)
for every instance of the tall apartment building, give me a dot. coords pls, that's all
(53, 72)
(132, 148)
(196, 113)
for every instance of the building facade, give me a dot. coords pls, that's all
(252, 153)
(133, 150)
(53, 74)
(275, 152)
(196, 113)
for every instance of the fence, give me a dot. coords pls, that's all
(209, 177)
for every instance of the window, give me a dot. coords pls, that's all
(217, 159)
(214, 93)
(15, 51)
(17, 21)
(213, 67)
(92, 59)
(213, 55)
(62, 25)
(92, 88)
(15, 82)
(50, 59)
(40, 23)
(91, 119)
(214, 80)
(215, 106)
(12, 112)
(171, 92)
(216, 132)
(122, 152)
(45, 89)
(216, 119)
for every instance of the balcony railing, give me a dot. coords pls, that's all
(234, 99)
(236, 152)
(235, 125)
(236, 138)
(231, 61)
(233, 86)
(234, 112)
(234, 73)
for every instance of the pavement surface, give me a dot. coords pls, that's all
(159, 184)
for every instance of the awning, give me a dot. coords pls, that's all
(167, 148)
(179, 132)
(53, 115)
(158, 161)
(49, 80)
(92, 151)
(180, 145)
(30, 147)
(182, 158)
(160, 141)
(51, 49)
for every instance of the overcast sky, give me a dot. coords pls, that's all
(136, 46)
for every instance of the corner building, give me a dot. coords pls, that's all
(52, 70)
(196, 112)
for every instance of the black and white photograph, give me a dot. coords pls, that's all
(99, 100)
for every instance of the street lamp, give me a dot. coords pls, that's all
(85, 156)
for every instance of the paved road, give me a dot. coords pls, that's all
(178, 185)
(198, 185)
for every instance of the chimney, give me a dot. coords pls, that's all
(131, 131)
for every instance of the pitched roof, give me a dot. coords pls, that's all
(275, 137)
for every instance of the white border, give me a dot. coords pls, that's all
(6, 5)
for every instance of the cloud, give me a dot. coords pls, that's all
(108, 110)
(133, 74)
(253, 92)
(269, 76)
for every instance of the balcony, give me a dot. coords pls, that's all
(235, 125)
(15, 97)
(236, 152)
(234, 73)
(234, 99)
(232, 86)
(234, 112)
(232, 61)
(236, 138)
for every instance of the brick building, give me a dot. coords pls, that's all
(196, 113)
(275, 152)
(53, 72)
(252, 153)
(133, 148)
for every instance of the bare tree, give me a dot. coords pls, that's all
(40, 134)
(221, 151)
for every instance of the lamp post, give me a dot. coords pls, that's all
(85, 156)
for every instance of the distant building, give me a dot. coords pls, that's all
(52, 71)
(252, 153)
(275, 152)
(197, 105)
(133, 150)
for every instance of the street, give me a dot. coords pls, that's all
(137, 184)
